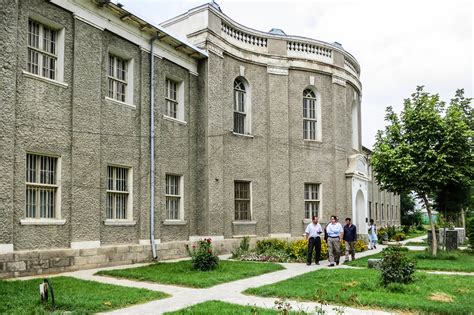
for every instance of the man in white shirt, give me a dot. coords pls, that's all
(334, 231)
(313, 236)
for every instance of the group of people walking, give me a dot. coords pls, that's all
(333, 233)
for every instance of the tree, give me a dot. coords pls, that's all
(421, 150)
(409, 216)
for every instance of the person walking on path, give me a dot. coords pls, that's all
(372, 235)
(334, 231)
(313, 236)
(350, 237)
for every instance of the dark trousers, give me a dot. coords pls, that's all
(314, 242)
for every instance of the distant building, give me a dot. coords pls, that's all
(255, 132)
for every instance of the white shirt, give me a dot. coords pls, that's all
(334, 230)
(314, 230)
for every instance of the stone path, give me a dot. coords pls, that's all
(228, 292)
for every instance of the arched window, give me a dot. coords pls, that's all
(240, 107)
(309, 115)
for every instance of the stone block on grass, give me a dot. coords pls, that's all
(374, 263)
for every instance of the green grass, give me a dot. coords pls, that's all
(423, 243)
(445, 261)
(361, 288)
(71, 295)
(218, 307)
(415, 234)
(181, 273)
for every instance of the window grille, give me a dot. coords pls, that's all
(173, 197)
(311, 200)
(41, 186)
(239, 107)
(309, 115)
(117, 78)
(42, 50)
(242, 201)
(171, 98)
(117, 193)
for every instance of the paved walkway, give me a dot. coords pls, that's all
(228, 292)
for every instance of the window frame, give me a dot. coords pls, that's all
(308, 101)
(36, 184)
(241, 111)
(311, 200)
(237, 215)
(179, 197)
(114, 192)
(57, 56)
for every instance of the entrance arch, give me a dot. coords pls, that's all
(360, 211)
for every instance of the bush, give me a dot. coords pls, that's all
(396, 267)
(243, 248)
(399, 236)
(470, 231)
(382, 234)
(271, 243)
(203, 257)
(360, 246)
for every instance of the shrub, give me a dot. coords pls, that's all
(271, 243)
(396, 267)
(203, 257)
(470, 231)
(243, 248)
(399, 236)
(420, 227)
(360, 246)
(298, 249)
(382, 234)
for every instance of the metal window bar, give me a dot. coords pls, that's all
(242, 201)
(311, 200)
(42, 44)
(117, 78)
(117, 193)
(173, 197)
(41, 186)
(171, 98)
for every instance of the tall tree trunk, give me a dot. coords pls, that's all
(434, 241)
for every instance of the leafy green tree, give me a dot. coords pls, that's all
(423, 150)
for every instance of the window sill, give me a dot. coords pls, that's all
(176, 120)
(175, 222)
(120, 102)
(42, 222)
(244, 222)
(112, 222)
(40, 78)
(245, 135)
(312, 141)
(306, 221)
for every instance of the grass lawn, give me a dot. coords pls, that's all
(181, 273)
(416, 234)
(360, 288)
(71, 295)
(423, 243)
(218, 307)
(445, 261)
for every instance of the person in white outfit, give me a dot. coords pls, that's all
(313, 236)
(372, 235)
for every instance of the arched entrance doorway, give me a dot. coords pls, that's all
(360, 211)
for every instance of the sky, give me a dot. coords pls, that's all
(399, 44)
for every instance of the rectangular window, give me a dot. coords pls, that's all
(117, 78)
(242, 200)
(376, 211)
(173, 197)
(42, 50)
(172, 104)
(117, 193)
(239, 111)
(381, 212)
(370, 210)
(309, 119)
(41, 186)
(311, 200)
(388, 213)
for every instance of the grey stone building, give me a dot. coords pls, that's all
(253, 133)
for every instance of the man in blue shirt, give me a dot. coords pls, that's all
(350, 237)
(334, 232)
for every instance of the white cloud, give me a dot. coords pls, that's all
(399, 44)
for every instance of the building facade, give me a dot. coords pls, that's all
(254, 133)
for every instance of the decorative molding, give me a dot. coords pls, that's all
(279, 235)
(119, 222)
(311, 80)
(196, 238)
(80, 18)
(244, 222)
(277, 70)
(338, 80)
(42, 222)
(6, 248)
(242, 71)
(175, 222)
(215, 49)
(148, 242)
(85, 244)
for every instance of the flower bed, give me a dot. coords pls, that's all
(276, 250)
